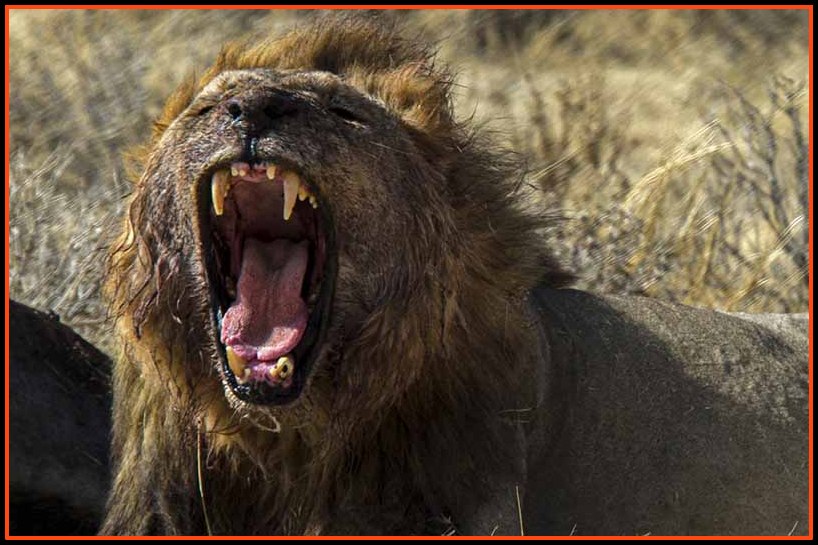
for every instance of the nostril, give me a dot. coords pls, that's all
(234, 109)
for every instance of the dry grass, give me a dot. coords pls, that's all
(720, 221)
(674, 141)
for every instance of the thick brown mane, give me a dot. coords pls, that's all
(430, 367)
(374, 57)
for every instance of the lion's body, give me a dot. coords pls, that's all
(665, 419)
(441, 389)
(59, 423)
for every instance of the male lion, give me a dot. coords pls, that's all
(337, 316)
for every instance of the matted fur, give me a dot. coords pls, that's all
(430, 353)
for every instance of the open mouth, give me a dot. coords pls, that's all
(268, 240)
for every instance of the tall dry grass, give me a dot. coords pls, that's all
(720, 221)
(674, 142)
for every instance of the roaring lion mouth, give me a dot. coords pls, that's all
(268, 251)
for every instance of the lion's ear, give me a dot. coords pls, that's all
(416, 93)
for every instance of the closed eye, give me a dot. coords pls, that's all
(344, 113)
(204, 106)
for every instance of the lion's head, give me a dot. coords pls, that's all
(312, 228)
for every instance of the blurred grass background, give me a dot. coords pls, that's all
(675, 142)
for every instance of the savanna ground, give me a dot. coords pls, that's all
(674, 143)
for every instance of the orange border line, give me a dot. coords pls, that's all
(405, 538)
(8, 238)
(811, 227)
(416, 6)
(808, 7)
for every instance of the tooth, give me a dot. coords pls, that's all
(303, 192)
(237, 364)
(283, 368)
(242, 171)
(218, 190)
(271, 171)
(285, 365)
(313, 201)
(234, 170)
(244, 377)
(291, 184)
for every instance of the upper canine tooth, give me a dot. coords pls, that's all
(218, 190)
(271, 171)
(291, 185)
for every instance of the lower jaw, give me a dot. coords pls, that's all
(305, 354)
(261, 393)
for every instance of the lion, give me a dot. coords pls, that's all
(59, 400)
(337, 315)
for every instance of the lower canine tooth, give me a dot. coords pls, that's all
(237, 364)
(284, 367)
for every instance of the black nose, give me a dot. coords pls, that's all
(256, 111)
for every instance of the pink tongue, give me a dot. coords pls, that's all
(268, 317)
